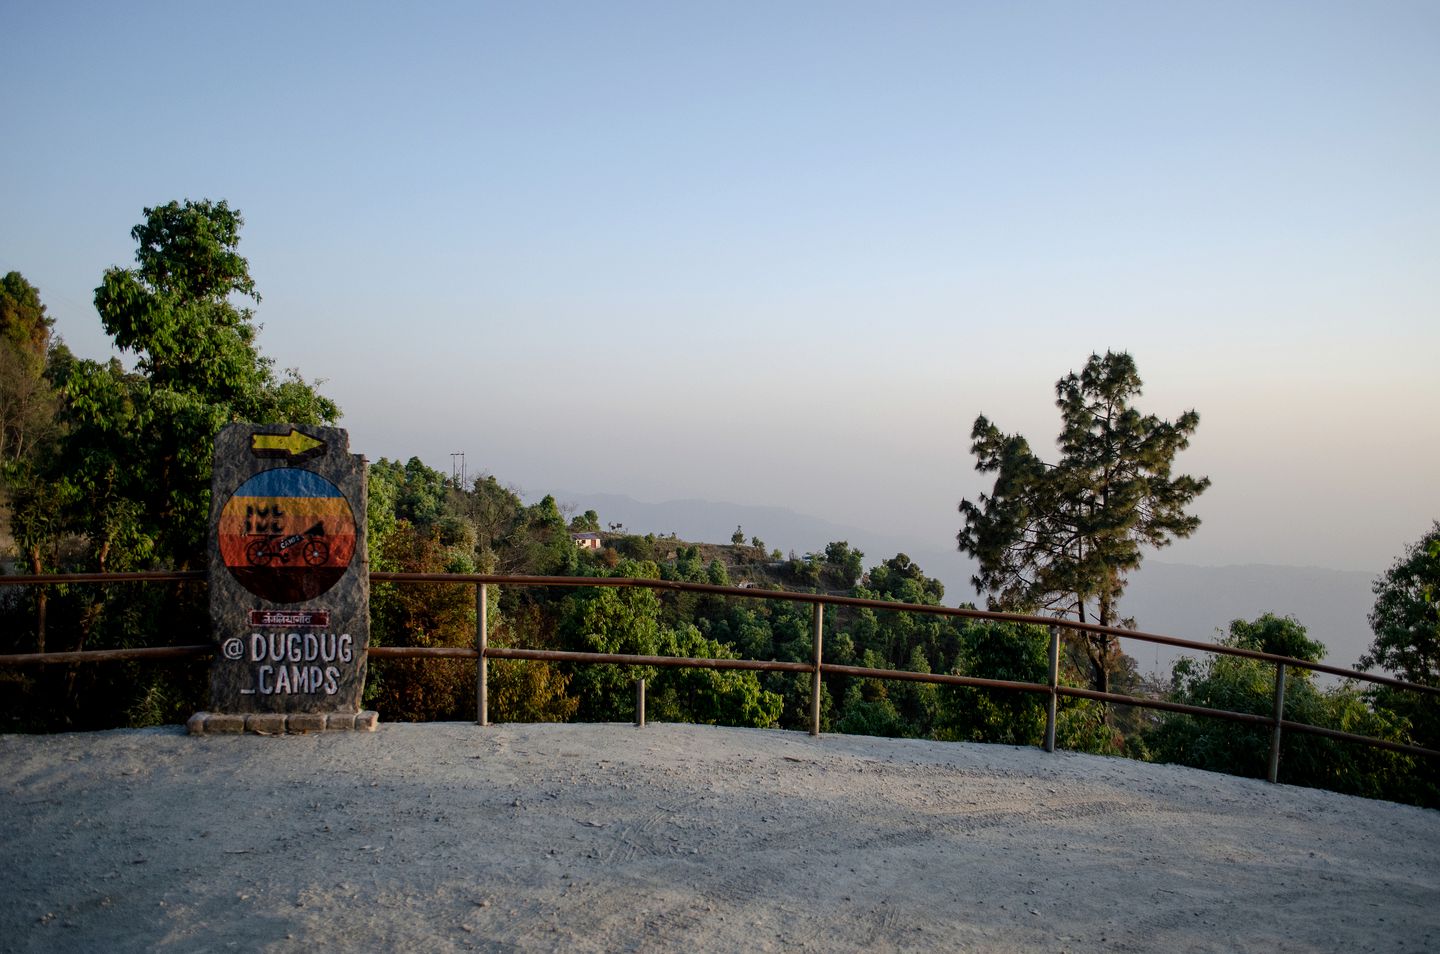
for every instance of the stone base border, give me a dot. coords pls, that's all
(280, 723)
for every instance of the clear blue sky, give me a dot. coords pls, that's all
(785, 253)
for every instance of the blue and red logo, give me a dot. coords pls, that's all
(287, 535)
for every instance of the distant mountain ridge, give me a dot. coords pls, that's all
(1194, 602)
(1189, 601)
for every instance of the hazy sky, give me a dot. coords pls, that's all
(784, 253)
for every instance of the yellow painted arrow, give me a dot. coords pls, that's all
(293, 445)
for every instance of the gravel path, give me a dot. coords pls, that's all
(449, 837)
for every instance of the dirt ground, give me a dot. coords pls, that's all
(450, 837)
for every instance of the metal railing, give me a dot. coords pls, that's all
(817, 667)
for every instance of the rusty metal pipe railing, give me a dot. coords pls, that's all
(660, 662)
(106, 655)
(1278, 722)
(940, 678)
(423, 652)
(865, 603)
(482, 651)
(752, 593)
(147, 576)
(1075, 692)
(1305, 728)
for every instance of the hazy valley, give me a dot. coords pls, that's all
(1174, 599)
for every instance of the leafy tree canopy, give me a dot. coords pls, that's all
(1247, 685)
(589, 521)
(1281, 635)
(844, 561)
(1406, 617)
(27, 400)
(900, 579)
(135, 462)
(23, 322)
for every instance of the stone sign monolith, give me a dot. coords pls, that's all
(289, 582)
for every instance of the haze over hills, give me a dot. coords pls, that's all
(1176, 599)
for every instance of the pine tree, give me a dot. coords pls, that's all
(1062, 537)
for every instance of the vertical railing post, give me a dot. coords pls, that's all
(1052, 707)
(482, 665)
(1279, 720)
(815, 677)
(639, 703)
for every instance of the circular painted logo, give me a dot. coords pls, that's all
(287, 535)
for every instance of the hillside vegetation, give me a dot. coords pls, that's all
(421, 521)
(107, 468)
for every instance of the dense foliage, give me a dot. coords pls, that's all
(119, 477)
(1246, 685)
(106, 468)
(1406, 618)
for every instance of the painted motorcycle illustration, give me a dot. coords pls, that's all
(313, 548)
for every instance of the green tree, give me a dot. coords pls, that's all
(1406, 617)
(1063, 537)
(412, 530)
(419, 690)
(868, 710)
(896, 637)
(126, 485)
(1278, 635)
(492, 509)
(23, 322)
(1007, 651)
(525, 690)
(608, 620)
(139, 445)
(28, 432)
(27, 409)
(539, 542)
(902, 580)
(1245, 685)
(587, 521)
(27, 401)
(1406, 623)
(709, 696)
(845, 564)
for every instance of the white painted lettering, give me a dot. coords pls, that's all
(275, 649)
